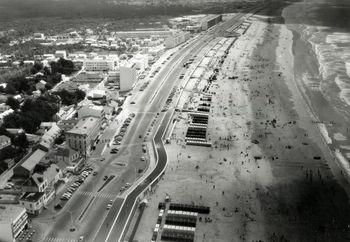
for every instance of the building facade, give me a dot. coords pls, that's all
(13, 220)
(128, 74)
(82, 137)
(101, 64)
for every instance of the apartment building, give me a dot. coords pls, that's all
(13, 219)
(128, 74)
(83, 135)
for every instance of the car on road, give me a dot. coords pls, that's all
(143, 158)
(113, 151)
(109, 205)
(102, 159)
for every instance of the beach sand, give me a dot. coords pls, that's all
(284, 186)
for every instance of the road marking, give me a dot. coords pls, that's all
(96, 194)
(55, 239)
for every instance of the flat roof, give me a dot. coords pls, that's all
(9, 213)
(85, 125)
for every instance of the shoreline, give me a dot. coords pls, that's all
(290, 146)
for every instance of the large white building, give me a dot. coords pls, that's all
(177, 38)
(141, 61)
(105, 63)
(210, 21)
(61, 54)
(13, 219)
(128, 75)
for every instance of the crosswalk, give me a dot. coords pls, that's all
(54, 239)
(96, 194)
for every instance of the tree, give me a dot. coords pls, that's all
(38, 66)
(10, 89)
(21, 141)
(13, 103)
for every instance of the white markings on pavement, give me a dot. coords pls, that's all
(96, 194)
(54, 239)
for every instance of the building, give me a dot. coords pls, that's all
(28, 163)
(4, 141)
(143, 33)
(105, 63)
(176, 39)
(4, 107)
(82, 137)
(68, 124)
(66, 155)
(91, 110)
(141, 61)
(68, 159)
(210, 21)
(127, 76)
(97, 94)
(50, 135)
(13, 220)
(39, 36)
(40, 85)
(39, 189)
(61, 54)
(33, 202)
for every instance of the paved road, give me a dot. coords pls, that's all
(97, 217)
(120, 222)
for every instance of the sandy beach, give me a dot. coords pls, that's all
(270, 174)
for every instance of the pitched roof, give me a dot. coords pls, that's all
(33, 159)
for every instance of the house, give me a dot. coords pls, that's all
(40, 188)
(40, 85)
(50, 135)
(4, 141)
(33, 202)
(66, 154)
(68, 159)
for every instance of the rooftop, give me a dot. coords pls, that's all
(65, 151)
(4, 138)
(85, 126)
(8, 213)
(32, 196)
(33, 159)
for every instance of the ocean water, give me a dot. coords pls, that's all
(325, 24)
